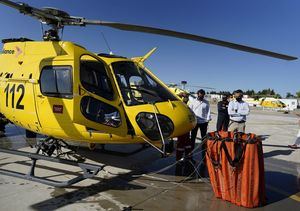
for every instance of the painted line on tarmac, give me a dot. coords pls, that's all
(295, 196)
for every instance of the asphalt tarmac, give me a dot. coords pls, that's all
(139, 178)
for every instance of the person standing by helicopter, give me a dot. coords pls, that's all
(3, 122)
(201, 109)
(183, 147)
(183, 142)
(238, 110)
(223, 117)
(296, 144)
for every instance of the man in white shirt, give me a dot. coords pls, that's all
(201, 109)
(238, 110)
(296, 145)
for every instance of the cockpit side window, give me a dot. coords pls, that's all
(94, 78)
(56, 81)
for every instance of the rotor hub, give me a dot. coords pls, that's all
(56, 12)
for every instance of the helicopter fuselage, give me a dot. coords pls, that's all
(62, 90)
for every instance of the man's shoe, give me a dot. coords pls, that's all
(294, 146)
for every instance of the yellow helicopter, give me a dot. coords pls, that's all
(62, 90)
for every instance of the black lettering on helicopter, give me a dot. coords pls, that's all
(12, 91)
(8, 51)
(19, 106)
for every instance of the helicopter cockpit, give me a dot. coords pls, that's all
(137, 86)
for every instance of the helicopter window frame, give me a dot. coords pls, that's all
(56, 93)
(103, 93)
(100, 112)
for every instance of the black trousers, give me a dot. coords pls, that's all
(3, 122)
(2, 127)
(223, 122)
(203, 131)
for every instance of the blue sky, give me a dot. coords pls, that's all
(269, 24)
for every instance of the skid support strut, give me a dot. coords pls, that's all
(89, 170)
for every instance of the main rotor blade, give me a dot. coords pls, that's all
(40, 14)
(11, 4)
(170, 33)
(204, 87)
(193, 86)
(49, 16)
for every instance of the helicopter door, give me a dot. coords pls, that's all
(97, 105)
(54, 96)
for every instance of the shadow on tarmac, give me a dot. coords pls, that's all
(280, 186)
(264, 137)
(80, 193)
(119, 181)
(278, 152)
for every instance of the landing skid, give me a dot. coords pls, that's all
(89, 170)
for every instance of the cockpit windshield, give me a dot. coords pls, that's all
(137, 86)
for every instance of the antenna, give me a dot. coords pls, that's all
(42, 28)
(183, 83)
(107, 45)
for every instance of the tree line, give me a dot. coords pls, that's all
(262, 93)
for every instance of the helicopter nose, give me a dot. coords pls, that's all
(164, 121)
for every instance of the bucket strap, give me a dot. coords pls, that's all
(239, 150)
